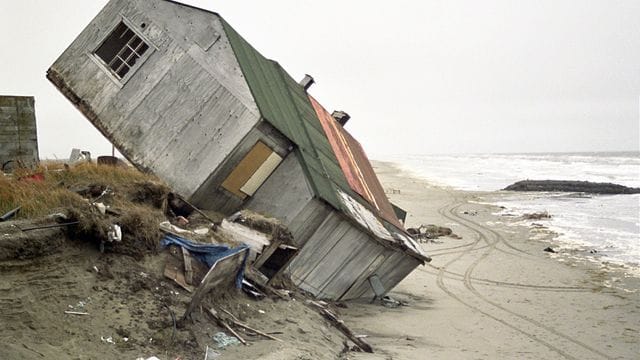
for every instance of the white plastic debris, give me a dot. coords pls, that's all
(201, 231)
(168, 227)
(101, 207)
(108, 340)
(115, 233)
(223, 340)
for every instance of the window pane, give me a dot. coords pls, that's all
(121, 49)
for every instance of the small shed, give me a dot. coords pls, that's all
(181, 94)
(18, 132)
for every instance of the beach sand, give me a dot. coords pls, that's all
(495, 294)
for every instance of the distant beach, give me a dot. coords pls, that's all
(606, 227)
(496, 293)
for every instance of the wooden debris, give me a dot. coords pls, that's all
(221, 275)
(188, 270)
(237, 322)
(339, 324)
(221, 322)
(76, 313)
(171, 272)
(196, 209)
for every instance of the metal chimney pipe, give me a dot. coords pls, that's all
(341, 117)
(307, 82)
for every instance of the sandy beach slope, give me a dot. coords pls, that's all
(495, 294)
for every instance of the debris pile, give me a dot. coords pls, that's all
(165, 279)
(425, 233)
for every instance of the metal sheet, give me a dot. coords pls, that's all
(355, 165)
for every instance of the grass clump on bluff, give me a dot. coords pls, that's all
(133, 200)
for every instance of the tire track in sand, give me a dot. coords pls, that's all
(530, 328)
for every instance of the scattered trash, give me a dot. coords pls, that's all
(388, 301)
(223, 340)
(550, 250)
(101, 207)
(221, 322)
(210, 354)
(150, 358)
(201, 231)
(251, 290)
(78, 155)
(182, 221)
(108, 340)
(170, 228)
(261, 311)
(472, 213)
(115, 233)
(9, 214)
(49, 226)
(537, 216)
(429, 232)
(75, 312)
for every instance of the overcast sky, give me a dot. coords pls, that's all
(415, 76)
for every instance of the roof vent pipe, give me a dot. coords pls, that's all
(307, 82)
(341, 117)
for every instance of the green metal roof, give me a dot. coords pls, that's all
(284, 104)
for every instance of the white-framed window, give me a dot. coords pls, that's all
(121, 50)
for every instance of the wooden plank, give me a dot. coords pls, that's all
(261, 174)
(225, 325)
(246, 168)
(353, 269)
(221, 274)
(342, 247)
(188, 270)
(316, 249)
(268, 251)
(305, 224)
(360, 286)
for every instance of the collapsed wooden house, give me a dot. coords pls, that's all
(18, 132)
(181, 94)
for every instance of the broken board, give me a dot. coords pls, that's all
(221, 275)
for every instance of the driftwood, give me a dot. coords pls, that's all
(188, 270)
(221, 322)
(339, 324)
(237, 322)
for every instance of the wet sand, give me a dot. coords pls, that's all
(495, 294)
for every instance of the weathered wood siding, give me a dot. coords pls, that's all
(285, 193)
(212, 196)
(18, 133)
(186, 107)
(336, 261)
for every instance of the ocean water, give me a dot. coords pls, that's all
(607, 224)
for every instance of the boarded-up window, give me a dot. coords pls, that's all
(121, 50)
(252, 171)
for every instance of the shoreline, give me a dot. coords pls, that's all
(568, 251)
(495, 293)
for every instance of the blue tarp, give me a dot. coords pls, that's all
(206, 253)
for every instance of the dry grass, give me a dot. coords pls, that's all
(41, 197)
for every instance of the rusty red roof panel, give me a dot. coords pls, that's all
(355, 165)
